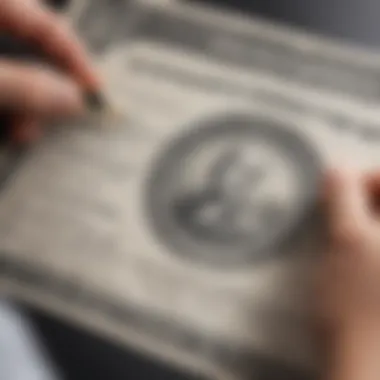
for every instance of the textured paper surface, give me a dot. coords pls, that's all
(166, 231)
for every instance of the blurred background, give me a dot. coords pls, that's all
(353, 20)
(34, 346)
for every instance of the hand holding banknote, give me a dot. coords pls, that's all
(350, 298)
(29, 92)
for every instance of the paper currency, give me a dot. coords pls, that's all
(178, 231)
(113, 22)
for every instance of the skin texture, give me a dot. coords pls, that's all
(33, 93)
(349, 277)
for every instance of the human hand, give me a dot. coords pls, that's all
(350, 275)
(34, 94)
(349, 295)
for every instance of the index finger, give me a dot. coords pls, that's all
(31, 20)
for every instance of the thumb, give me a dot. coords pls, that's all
(347, 206)
(38, 90)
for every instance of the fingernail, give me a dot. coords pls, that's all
(94, 101)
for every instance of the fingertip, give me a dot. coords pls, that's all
(337, 179)
(92, 81)
(346, 200)
(66, 98)
(333, 181)
(59, 95)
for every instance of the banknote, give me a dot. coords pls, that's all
(188, 227)
(114, 22)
